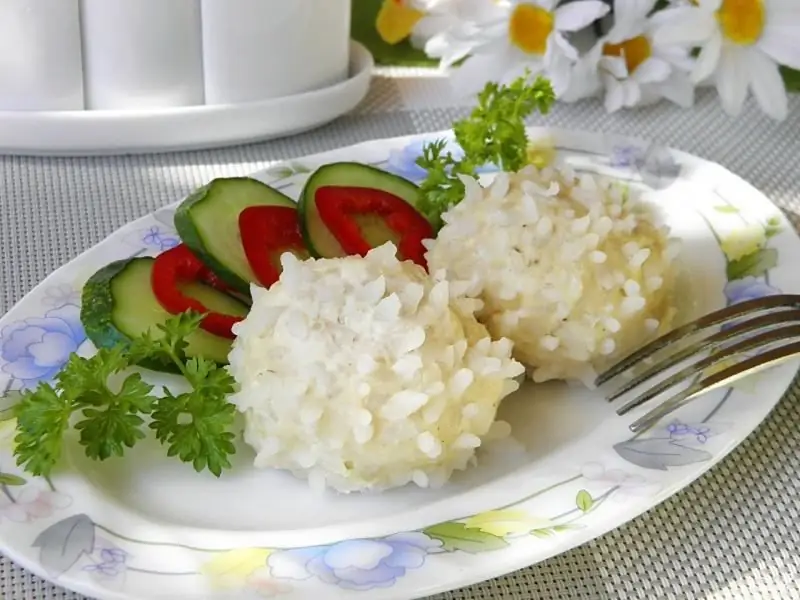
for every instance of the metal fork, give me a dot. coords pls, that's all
(761, 323)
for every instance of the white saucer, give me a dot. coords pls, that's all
(76, 133)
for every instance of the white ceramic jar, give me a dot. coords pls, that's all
(259, 49)
(141, 54)
(40, 55)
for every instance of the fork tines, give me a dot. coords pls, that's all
(764, 330)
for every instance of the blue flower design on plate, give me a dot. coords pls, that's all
(37, 348)
(112, 561)
(356, 564)
(748, 288)
(161, 241)
(403, 162)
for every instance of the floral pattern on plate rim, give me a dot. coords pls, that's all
(76, 542)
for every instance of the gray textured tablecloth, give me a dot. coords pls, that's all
(732, 534)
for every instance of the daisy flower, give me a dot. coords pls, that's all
(741, 43)
(632, 65)
(504, 37)
(418, 20)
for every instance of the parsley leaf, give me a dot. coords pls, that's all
(109, 427)
(493, 133)
(195, 426)
(42, 418)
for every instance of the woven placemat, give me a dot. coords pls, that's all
(732, 534)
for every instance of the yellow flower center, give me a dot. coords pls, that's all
(529, 28)
(742, 21)
(634, 51)
(396, 20)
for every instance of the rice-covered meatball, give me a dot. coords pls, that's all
(576, 270)
(361, 373)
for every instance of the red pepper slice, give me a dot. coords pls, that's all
(178, 265)
(341, 206)
(267, 232)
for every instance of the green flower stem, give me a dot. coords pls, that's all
(156, 544)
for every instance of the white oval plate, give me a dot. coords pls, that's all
(91, 132)
(147, 527)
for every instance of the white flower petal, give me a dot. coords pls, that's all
(614, 65)
(652, 70)
(559, 71)
(677, 56)
(710, 5)
(447, 48)
(428, 27)
(632, 93)
(677, 88)
(633, 9)
(577, 15)
(708, 60)
(781, 37)
(685, 25)
(558, 43)
(473, 74)
(625, 29)
(545, 4)
(615, 96)
(767, 85)
(731, 79)
(584, 79)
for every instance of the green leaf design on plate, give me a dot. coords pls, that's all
(281, 172)
(567, 527)
(773, 227)
(543, 533)
(10, 479)
(457, 536)
(753, 265)
(727, 209)
(298, 168)
(584, 500)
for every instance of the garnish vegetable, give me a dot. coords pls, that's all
(195, 426)
(267, 232)
(324, 243)
(362, 218)
(177, 268)
(493, 133)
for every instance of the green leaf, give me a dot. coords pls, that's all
(457, 536)
(753, 265)
(727, 209)
(9, 479)
(792, 79)
(584, 500)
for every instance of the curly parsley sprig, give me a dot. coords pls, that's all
(111, 410)
(493, 133)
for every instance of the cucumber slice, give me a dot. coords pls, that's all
(118, 304)
(319, 240)
(208, 223)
